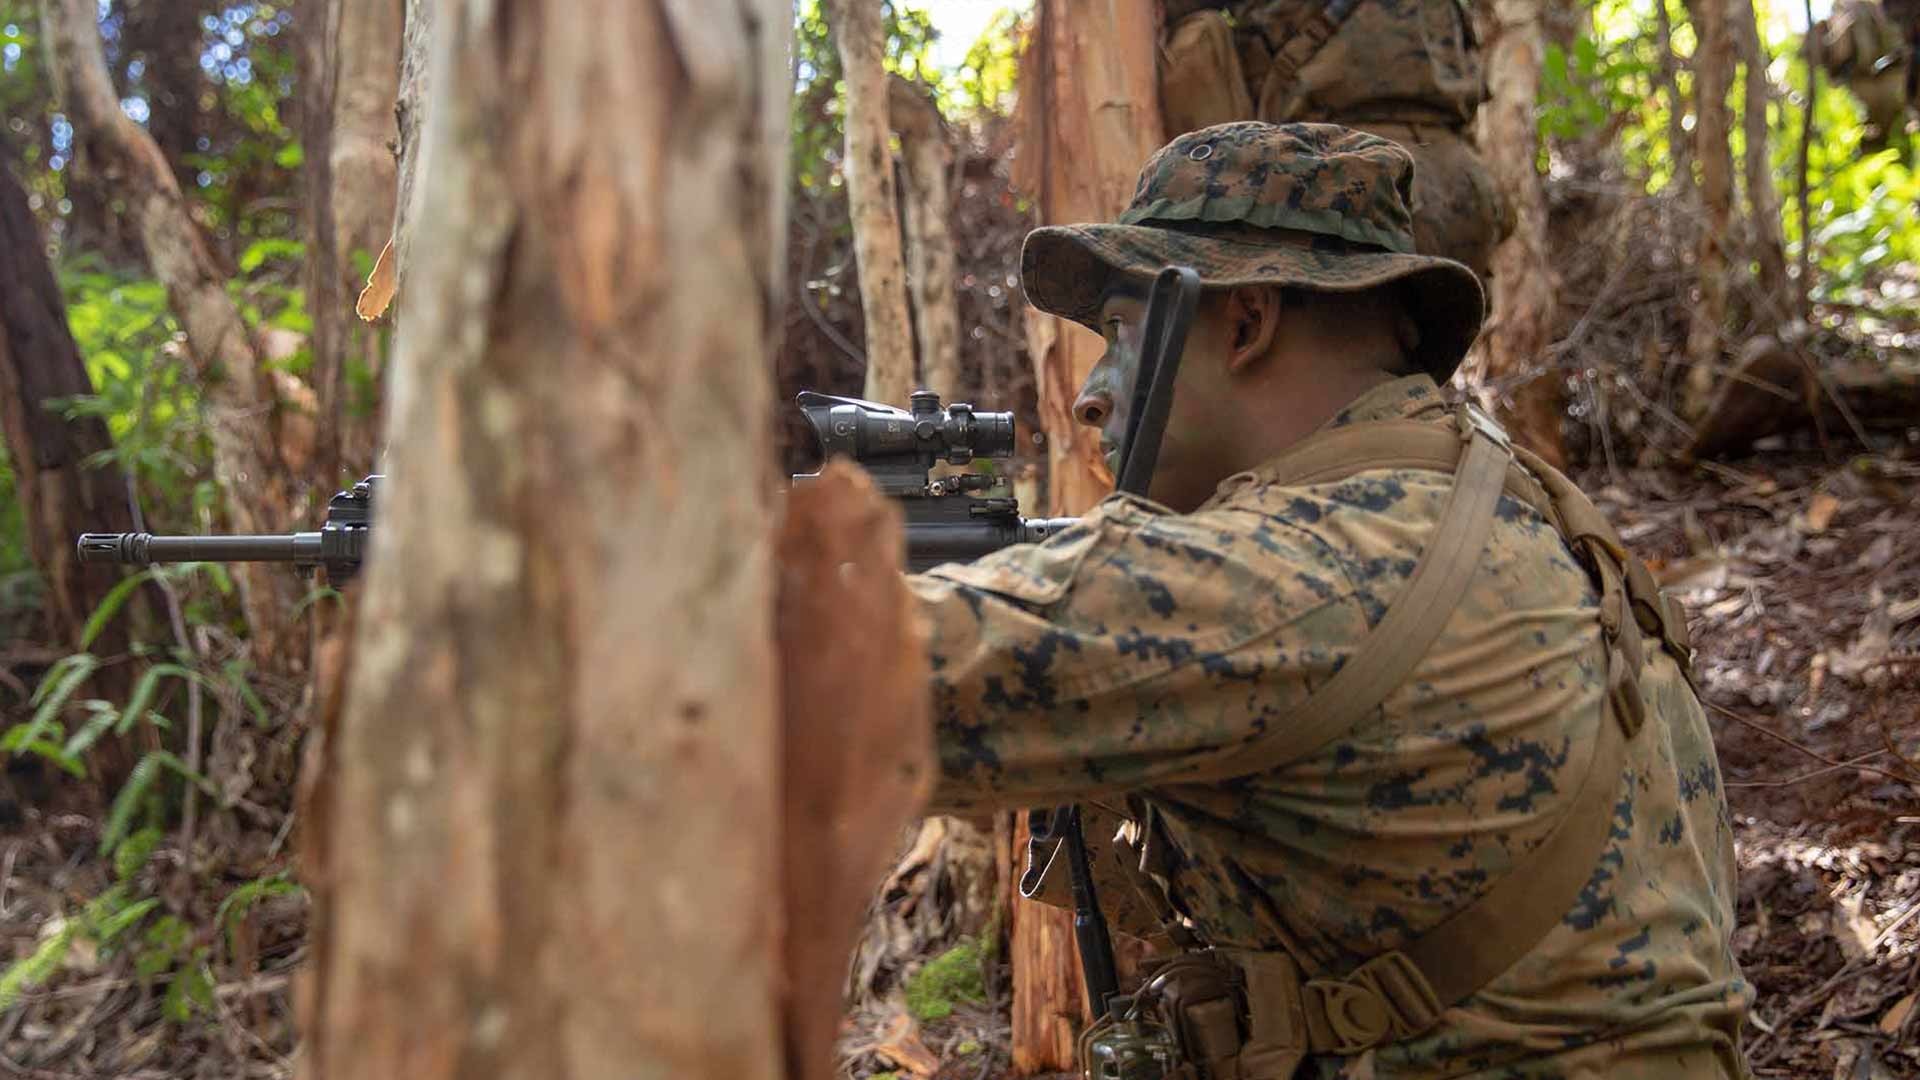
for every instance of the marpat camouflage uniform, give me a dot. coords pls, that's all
(1408, 70)
(1096, 666)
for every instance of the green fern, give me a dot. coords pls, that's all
(248, 896)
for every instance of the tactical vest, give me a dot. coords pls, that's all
(1256, 1015)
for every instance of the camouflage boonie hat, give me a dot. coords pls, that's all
(1313, 206)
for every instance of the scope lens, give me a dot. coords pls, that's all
(996, 434)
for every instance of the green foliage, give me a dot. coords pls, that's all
(983, 83)
(1863, 230)
(954, 976)
(244, 899)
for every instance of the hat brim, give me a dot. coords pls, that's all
(1067, 271)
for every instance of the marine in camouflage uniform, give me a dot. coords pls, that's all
(1408, 70)
(1142, 648)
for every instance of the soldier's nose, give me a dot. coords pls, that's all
(1092, 409)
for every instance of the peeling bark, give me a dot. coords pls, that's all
(861, 42)
(1088, 118)
(927, 151)
(554, 838)
(1525, 287)
(352, 48)
(225, 356)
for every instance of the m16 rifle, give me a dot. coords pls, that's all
(338, 546)
(946, 520)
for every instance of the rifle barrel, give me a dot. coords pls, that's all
(143, 549)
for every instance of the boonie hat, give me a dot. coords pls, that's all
(1312, 206)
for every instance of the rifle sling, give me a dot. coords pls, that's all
(1280, 97)
(1388, 654)
(1406, 990)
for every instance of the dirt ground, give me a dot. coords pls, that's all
(1803, 579)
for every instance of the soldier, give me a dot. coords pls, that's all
(1408, 70)
(1412, 769)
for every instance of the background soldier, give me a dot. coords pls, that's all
(1405, 69)
(1413, 770)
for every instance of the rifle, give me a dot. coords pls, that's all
(945, 520)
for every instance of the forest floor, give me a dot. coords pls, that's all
(1803, 577)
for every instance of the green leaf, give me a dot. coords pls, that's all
(110, 606)
(99, 723)
(146, 772)
(116, 923)
(290, 156)
(261, 251)
(38, 966)
(245, 898)
(133, 853)
(60, 682)
(191, 991)
(144, 690)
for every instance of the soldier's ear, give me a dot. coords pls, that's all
(1253, 321)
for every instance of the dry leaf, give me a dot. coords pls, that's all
(1874, 642)
(1904, 611)
(1820, 511)
(902, 1046)
(1896, 1017)
(1695, 574)
(381, 285)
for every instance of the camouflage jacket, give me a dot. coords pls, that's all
(1091, 666)
(1387, 56)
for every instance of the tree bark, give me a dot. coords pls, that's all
(556, 841)
(928, 154)
(1088, 119)
(353, 81)
(868, 164)
(224, 353)
(60, 495)
(1525, 287)
(1712, 80)
(1776, 302)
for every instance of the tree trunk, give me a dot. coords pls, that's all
(928, 152)
(1525, 286)
(868, 165)
(353, 54)
(1089, 118)
(555, 832)
(1679, 143)
(224, 354)
(60, 495)
(1776, 302)
(1712, 79)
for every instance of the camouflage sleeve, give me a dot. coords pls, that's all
(1104, 659)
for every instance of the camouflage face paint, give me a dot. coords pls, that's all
(1105, 400)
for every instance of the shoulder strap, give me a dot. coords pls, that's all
(1279, 94)
(1480, 460)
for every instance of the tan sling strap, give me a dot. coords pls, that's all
(1388, 654)
(1403, 993)
(1280, 96)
